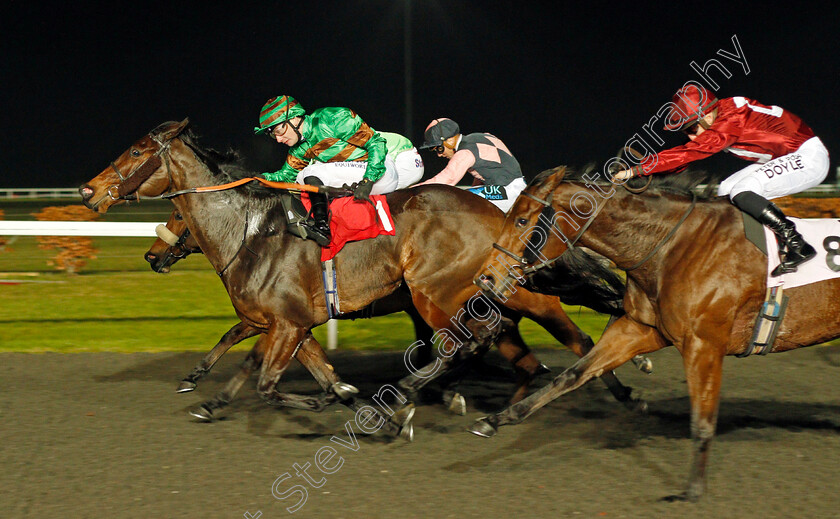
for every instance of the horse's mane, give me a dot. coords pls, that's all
(226, 166)
(683, 183)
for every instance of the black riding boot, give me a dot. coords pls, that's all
(319, 227)
(793, 249)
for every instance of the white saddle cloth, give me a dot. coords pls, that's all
(824, 236)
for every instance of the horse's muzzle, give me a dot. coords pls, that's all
(87, 193)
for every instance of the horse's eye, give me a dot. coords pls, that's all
(178, 216)
(521, 222)
(135, 153)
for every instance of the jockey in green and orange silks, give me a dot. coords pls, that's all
(327, 135)
(335, 147)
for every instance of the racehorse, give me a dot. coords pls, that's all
(693, 281)
(274, 279)
(175, 242)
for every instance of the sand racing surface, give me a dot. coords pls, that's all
(104, 435)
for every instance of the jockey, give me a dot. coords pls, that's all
(482, 155)
(405, 157)
(334, 147)
(789, 158)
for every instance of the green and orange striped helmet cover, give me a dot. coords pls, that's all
(278, 110)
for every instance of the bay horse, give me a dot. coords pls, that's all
(693, 281)
(273, 278)
(175, 242)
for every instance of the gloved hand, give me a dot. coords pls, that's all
(361, 190)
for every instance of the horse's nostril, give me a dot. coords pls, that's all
(86, 192)
(150, 257)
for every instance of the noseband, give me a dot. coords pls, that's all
(181, 245)
(130, 183)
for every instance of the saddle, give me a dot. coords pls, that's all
(350, 220)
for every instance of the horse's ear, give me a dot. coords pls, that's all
(546, 181)
(173, 130)
(558, 172)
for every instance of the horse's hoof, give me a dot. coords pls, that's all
(637, 405)
(403, 417)
(482, 427)
(458, 405)
(344, 390)
(644, 364)
(542, 369)
(185, 386)
(691, 495)
(203, 413)
(407, 433)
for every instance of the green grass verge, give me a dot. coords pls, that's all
(118, 304)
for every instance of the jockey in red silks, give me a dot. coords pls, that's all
(482, 155)
(788, 158)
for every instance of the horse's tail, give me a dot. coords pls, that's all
(581, 278)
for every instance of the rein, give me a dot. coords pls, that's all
(268, 183)
(130, 183)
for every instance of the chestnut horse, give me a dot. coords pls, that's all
(274, 279)
(693, 281)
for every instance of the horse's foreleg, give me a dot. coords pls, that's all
(703, 370)
(209, 410)
(236, 334)
(548, 313)
(281, 342)
(312, 356)
(619, 344)
(525, 364)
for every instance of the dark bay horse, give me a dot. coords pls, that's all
(175, 242)
(273, 278)
(693, 281)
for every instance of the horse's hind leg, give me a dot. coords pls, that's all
(619, 344)
(235, 335)
(450, 366)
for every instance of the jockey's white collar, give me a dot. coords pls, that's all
(458, 142)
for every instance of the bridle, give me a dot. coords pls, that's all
(533, 249)
(525, 263)
(181, 245)
(131, 182)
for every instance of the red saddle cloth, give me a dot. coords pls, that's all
(354, 220)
